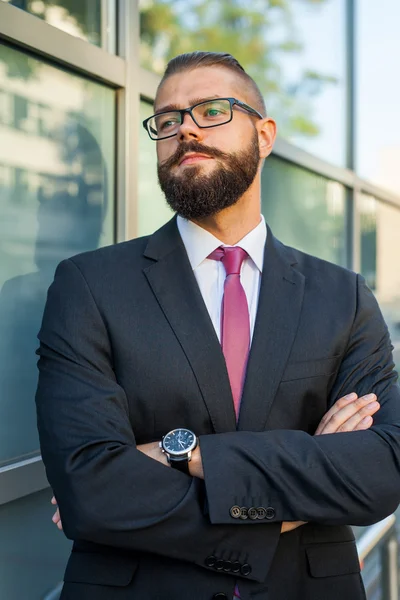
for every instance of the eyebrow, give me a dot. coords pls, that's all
(192, 101)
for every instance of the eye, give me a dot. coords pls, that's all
(166, 122)
(212, 112)
(216, 109)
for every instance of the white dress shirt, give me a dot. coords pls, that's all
(210, 274)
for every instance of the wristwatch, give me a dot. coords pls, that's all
(178, 445)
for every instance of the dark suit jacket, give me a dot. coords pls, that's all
(128, 352)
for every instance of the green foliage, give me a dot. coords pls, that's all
(246, 30)
(260, 34)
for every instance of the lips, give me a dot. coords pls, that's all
(193, 158)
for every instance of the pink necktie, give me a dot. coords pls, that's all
(235, 324)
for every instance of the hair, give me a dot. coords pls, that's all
(194, 60)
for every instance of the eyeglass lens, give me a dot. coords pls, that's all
(206, 114)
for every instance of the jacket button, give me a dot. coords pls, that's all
(261, 512)
(236, 567)
(245, 569)
(219, 565)
(227, 566)
(235, 512)
(243, 513)
(270, 513)
(220, 596)
(210, 561)
(253, 514)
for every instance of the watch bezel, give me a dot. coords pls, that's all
(178, 453)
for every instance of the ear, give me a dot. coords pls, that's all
(266, 136)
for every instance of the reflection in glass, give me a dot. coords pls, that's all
(378, 93)
(82, 19)
(304, 210)
(153, 210)
(367, 206)
(295, 51)
(372, 573)
(380, 260)
(56, 200)
(33, 552)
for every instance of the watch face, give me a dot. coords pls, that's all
(179, 441)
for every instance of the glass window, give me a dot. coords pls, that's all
(377, 93)
(84, 19)
(153, 210)
(367, 206)
(305, 210)
(295, 51)
(33, 551)
(56, 200)
(380, 260)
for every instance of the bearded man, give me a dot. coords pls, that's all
(206, 393)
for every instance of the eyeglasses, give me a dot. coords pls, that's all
(210, 113)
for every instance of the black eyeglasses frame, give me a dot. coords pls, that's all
(183, 111)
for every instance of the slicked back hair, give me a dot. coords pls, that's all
(196, 60)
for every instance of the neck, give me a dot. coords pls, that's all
(233, 223)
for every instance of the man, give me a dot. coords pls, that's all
(213, 336)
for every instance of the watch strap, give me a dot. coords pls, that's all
(181, 464)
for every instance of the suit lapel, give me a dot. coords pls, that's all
(279, 307)
(172, 281)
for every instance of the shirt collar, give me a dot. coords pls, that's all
(199, 243)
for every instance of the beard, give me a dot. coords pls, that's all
(196, 196)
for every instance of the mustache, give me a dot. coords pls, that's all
(192, 147)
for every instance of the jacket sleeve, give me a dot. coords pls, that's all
(109, 492)
(338, 479)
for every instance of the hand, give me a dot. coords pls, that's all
(290, 525)
(56, 517)
(349, 413)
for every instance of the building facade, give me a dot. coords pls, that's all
(78, 171)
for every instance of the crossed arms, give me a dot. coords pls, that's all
(112, 493)
(349, 413)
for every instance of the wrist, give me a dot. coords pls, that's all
(178, 446)
(196, 464)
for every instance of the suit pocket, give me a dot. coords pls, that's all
(311, 368)
(330, 560)
(100, 569)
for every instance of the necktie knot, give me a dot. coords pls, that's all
(231, 257)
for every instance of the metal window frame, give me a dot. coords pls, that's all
(45, 41)
(383, 535)
(109, 16)
(21, 479)
(122, 72)
(127, 172)
(22, 30)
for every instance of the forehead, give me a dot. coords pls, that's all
(188, 87)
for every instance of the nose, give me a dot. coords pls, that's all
(188, 129)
